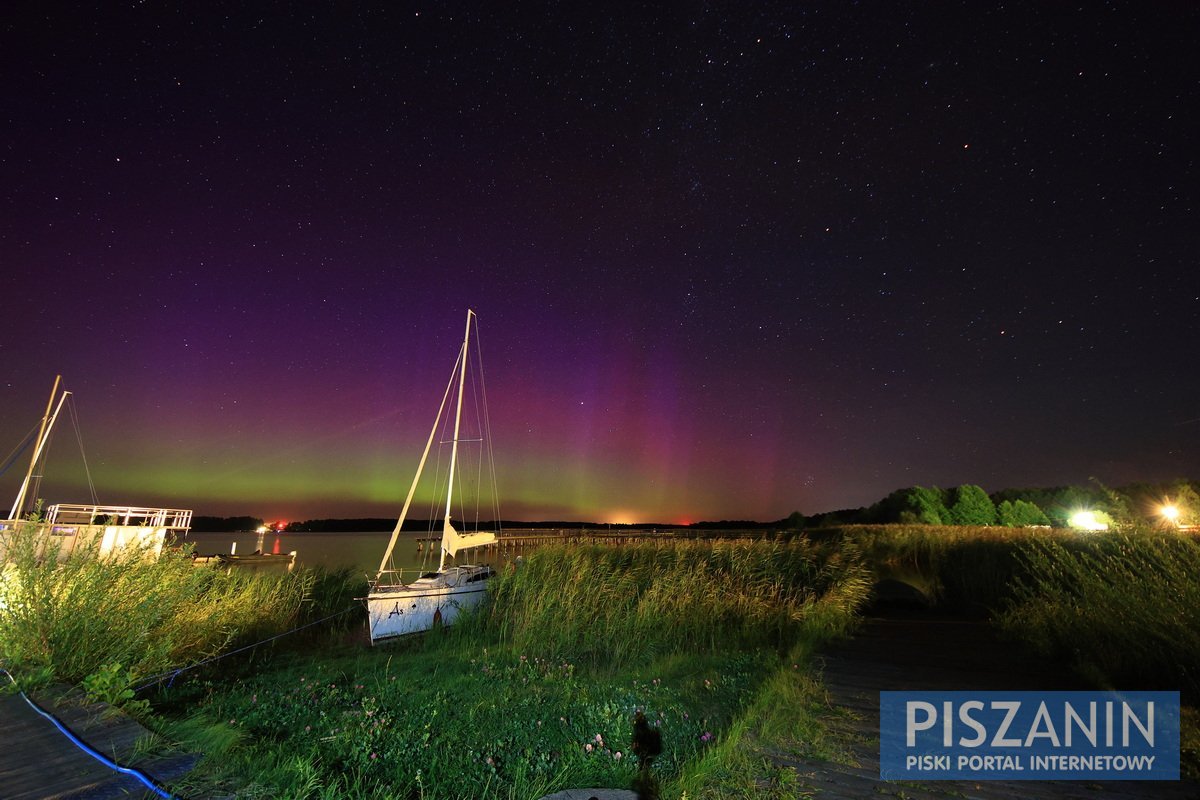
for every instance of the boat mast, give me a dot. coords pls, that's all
(387, 554)
(43, 435)
(462, 379)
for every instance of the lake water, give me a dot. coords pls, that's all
(358, 551)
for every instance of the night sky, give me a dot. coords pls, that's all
(729, 260)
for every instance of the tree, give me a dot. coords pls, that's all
(918, 506)
(972, 506)
(1117, 505)
(1020, 514)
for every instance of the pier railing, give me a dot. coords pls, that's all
(175, 519)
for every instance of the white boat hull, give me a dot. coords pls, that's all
(400, 610)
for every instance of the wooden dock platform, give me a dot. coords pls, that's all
(520, 538)
(38, 762)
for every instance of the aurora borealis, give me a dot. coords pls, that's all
(728, 261)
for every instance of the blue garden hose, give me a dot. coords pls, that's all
(85, 747)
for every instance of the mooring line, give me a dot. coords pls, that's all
(175, 673)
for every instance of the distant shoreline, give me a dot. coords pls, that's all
(204, 524)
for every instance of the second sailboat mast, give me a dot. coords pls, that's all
(462, 379)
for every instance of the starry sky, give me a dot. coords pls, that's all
(730, 260)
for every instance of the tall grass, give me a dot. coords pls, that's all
(1123, 608)
(147, 615)
(961, 568)
(617, 605)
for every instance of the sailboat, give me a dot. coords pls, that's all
(395, 608)
(71, 526)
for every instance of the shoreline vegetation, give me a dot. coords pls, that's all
(712, 640)
(1136, 504)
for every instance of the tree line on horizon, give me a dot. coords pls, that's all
(967, 504)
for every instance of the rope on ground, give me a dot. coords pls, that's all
(138, 775)
(175, 673)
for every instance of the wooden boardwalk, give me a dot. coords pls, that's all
(917, 651)
(520, 538)
(38, 762)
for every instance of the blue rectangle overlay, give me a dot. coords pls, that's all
(1065, 736)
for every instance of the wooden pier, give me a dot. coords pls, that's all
(38, 762)
(522, 538)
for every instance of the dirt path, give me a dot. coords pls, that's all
(918, 651)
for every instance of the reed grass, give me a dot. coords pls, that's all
(1123, 608)
(960, 568)
(146, 615)
(628, 604)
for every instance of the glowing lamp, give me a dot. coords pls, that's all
(1169, 512)
(1087, 521)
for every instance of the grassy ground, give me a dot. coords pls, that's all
(430, 719)
(786, 715)
(538, 691)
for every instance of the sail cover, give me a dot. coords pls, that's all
(453, 541)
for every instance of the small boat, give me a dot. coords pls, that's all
(255, 561)
(259, 560)
(395, 608)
